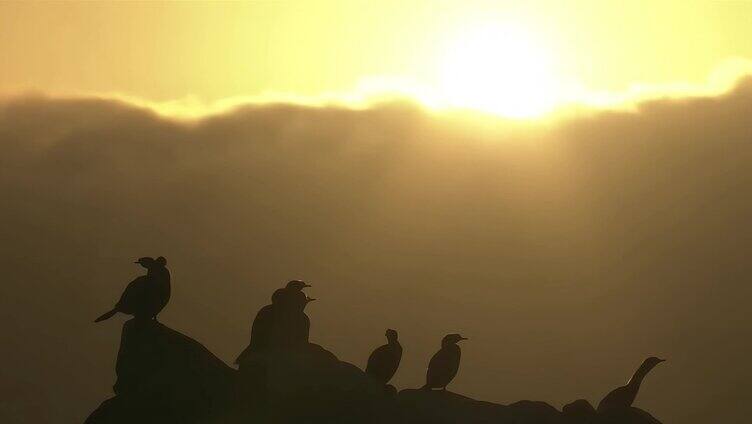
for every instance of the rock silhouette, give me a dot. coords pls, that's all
(622, 397)
(445, 363)
(165, 377)
(384, 361)
(579, 411)
(445, 407)
(147, 295)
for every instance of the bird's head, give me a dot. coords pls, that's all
(451, 339)
(146, 262)
(391, 335)
(297, 285)
(651, 362)
(278, 295)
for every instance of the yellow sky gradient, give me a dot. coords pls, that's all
(190, 57)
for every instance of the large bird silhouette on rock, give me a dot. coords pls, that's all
(281, 323)
(147, 295)
(445, 363)
(384, 361)
(622, 397)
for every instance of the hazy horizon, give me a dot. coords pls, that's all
(566, 253)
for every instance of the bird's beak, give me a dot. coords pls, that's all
(662, 360)
(137, 262)
(463, 338)
(310, 299)
(306, 285)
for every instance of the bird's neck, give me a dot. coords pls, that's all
(450, 346)
(639, 375)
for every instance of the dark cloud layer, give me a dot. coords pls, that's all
(566, 254)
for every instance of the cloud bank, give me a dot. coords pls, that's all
(566, 253)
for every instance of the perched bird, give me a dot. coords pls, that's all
(385, 359)
(622, 397)
(444, 363)
(270, 327)
(263, 327)
(299, 325)
(147, 295)
(289, 317)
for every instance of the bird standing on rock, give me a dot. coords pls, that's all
(299, 323)
(385, 359)
(147, 295)
(263, 327)
(292, 325)
(445, 363)
(271, 325)
(622, 397)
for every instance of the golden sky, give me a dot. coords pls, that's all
(513, 58)
(565, 252)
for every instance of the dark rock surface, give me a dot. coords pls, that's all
(444, 407)
(166, 377)
(309, 384)
(579, 411)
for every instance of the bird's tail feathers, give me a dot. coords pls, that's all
(106, 315)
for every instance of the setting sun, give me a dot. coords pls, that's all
(498, 69)
(240, 211)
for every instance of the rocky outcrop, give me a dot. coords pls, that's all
(309, 384)
(165, 377)
(445, 407)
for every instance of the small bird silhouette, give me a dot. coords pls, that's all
(622, 397)
(445, 363)
(147, 295)
(385, 359)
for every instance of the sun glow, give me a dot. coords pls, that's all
(498, 69)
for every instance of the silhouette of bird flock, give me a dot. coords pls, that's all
(283, 324)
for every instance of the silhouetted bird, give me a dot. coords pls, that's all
(147, 295)
(622, 397)
(385, 359)
(271, 326)
(290, 320)
(262, 327)
(305, 322)
(444, 363)
(298, 327)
